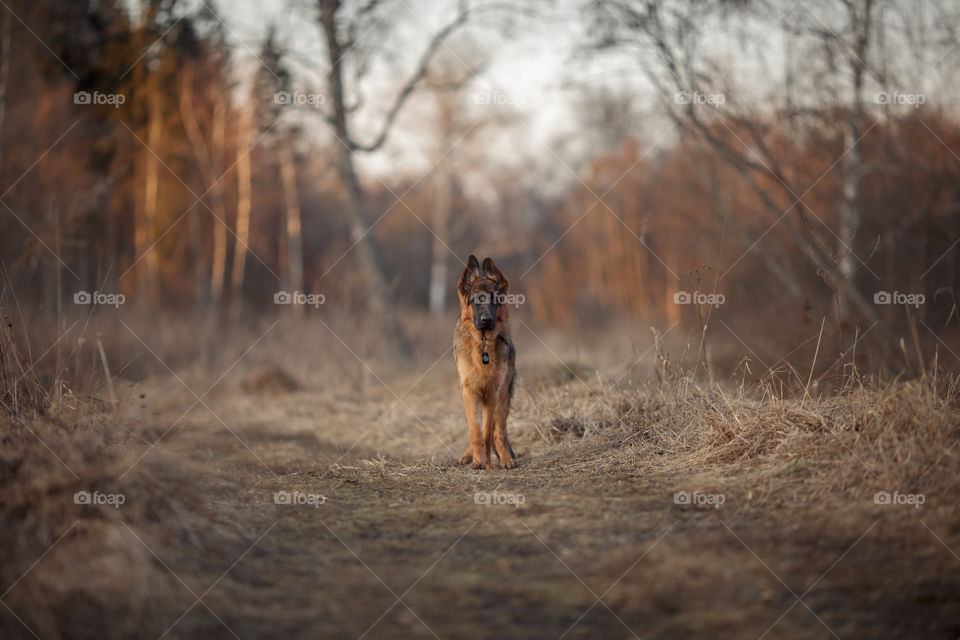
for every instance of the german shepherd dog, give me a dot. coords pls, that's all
(486, 362)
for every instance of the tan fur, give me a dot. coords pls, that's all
(486, 388)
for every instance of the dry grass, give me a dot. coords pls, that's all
(884, 434)
(599, 465)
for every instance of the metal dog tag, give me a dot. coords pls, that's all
(485, 357)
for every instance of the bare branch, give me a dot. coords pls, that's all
(422, 67)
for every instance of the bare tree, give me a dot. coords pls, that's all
(244, 202)
(341, 42)
(668, 38)
(452, 131)
(208, 162)
(293, 224)
(439, 278)
(146, 224)
(860, 27)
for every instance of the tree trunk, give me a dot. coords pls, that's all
(219, 266)
(244, 205)
(291, 202)
(5, 73)
(849, 218)
(438, 251)
(366, 250)
(852, 175)
(146, 228)
(201, 290)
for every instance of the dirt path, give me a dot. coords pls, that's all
(405, 544)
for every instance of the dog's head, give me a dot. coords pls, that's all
(482, 289)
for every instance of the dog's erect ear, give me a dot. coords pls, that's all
(491, 271)
(470, 273)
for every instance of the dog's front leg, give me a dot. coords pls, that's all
(475, 452)
(500, 441)
(489, 415)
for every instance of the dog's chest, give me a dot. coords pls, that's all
(482, 366)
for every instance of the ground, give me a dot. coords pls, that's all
(591, 537)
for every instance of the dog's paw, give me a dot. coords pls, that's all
(508, 463)
(480, 463)
(467, 456)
